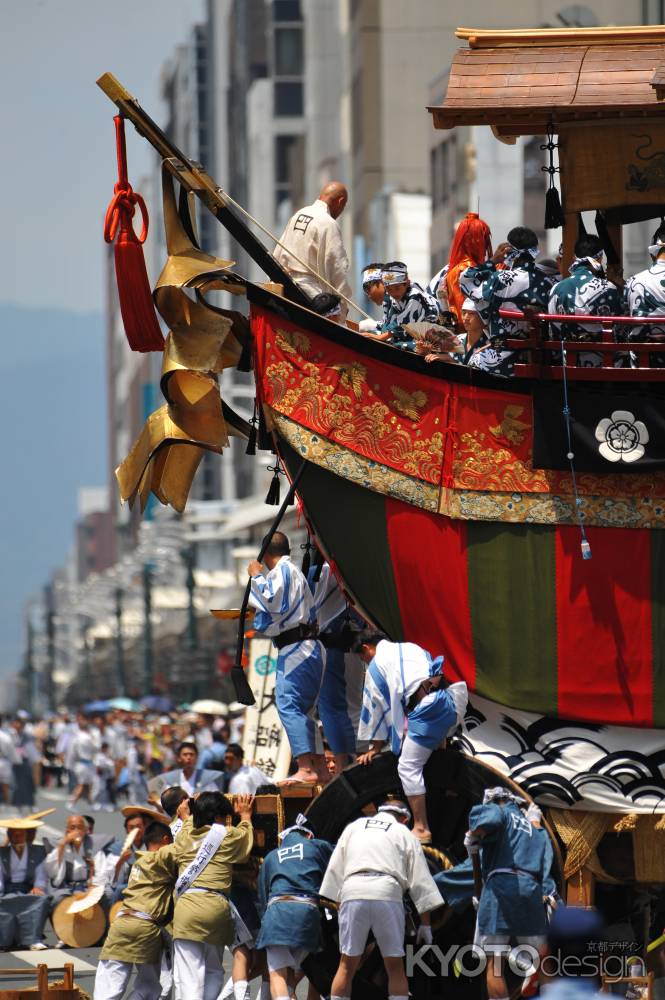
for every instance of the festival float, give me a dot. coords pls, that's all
(515, 525)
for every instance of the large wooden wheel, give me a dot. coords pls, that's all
(455, 782)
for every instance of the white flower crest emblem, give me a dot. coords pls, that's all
(622, 437)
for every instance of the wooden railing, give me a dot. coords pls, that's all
(538, 346)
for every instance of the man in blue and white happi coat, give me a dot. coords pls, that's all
(286, 613)
(405, 302)
(517, 285)
(585, 292)
(456, 884)
(404, 688)
(644, 295)
(515, 861)
(342, 689)
(288, 886)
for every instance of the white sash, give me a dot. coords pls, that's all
(176, 827)
(206, 852)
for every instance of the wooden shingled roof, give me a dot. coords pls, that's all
(515, 81)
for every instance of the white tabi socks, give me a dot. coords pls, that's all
(227, 992)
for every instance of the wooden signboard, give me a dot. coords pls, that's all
(611, 166)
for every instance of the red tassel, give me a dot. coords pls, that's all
(136, 305)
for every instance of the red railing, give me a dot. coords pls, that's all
(538, 342)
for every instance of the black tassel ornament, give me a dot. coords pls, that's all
(274, 490)
(264, 438)
(553, 212)
(251, 440)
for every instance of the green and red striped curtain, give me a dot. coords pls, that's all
(515, 610)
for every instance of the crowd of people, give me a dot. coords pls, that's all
(456, 317)
(180, 880)
(105, 759)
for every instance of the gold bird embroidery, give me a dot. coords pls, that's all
(511, 428)
(293, 341)
(408, 403)
(352, 377)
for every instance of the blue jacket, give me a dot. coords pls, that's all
(511, 903)
(296, 868)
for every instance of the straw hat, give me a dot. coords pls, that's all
(79, 930)
(149, 812)
(42, 814)
(20, 823)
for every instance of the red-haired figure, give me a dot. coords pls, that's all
(471, 246)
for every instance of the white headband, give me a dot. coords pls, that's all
(300, 826)
(469, 305)
(595, 263)
(371, 274)
(515, 252)
(395, 276)
(656, 248)
(400, 810)
(502, 794)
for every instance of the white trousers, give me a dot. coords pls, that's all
(197, 970)
(280, 957)
(112, 979)
(357, 917)
(410, 766)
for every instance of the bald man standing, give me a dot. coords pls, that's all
(313, 235)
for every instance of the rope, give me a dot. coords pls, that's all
(302, 263)
(584, 544)
(124, 202)
(581, 833)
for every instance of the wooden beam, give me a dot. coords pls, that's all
(580, 889)
(194, 178)
(526, 37)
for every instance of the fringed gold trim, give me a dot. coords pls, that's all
(626, 824)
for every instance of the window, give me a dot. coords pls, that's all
(286, 10)
(283, 146)
(288, 99)
(288, 52)
(440, 172)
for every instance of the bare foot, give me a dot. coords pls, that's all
(303, 776)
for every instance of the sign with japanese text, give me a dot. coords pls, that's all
(264, 740)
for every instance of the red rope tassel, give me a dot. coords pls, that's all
(136, 305)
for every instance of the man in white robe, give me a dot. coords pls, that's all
(404, 688)
(312, 247)
(376, 861)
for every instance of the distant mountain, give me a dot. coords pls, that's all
(53, 419)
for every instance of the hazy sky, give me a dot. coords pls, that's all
(57, 167)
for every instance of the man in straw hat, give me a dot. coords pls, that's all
(136, 937)
(24, 905)
(75, 861)
(121, 854)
